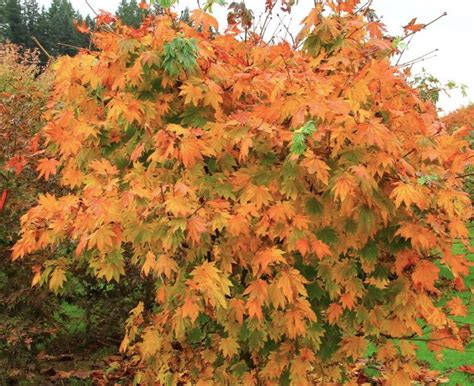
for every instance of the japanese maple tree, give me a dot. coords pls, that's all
(463, 116)
(292, 202)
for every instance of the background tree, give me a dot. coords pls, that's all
(61, 29)
(464, 117)
(130, 13)
(53, 27)
(14, 28)
(32, 14)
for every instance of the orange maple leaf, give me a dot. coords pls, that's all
(343, 187)
(407, 194)
(82, 27)
(414, 27)
(375, 29)
(354, 346)
(17, 163)
(3, 199)
(196, 227)
(425, 275)
(456, 307)
(190, 152)
(442, 339)
(47, 167)
(320, 248)
(258, 294)
(144, 5)
(264, 258)
(334, 312)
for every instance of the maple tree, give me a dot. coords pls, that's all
(291, 202)
(463, 117)
(460, 117)
(21, 100)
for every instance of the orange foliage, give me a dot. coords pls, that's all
(461, 117)
(289, 204)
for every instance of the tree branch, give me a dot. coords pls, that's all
(425, 26)
(41, 47)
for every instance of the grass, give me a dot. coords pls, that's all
(451, 360)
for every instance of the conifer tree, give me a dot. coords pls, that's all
(130, 13)
(14, 29)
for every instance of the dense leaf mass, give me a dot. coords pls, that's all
(461, 117)
(291, 205)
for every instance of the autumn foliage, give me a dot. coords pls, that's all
(461, 117)
(291, 205)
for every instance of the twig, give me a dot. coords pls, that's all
(403, 51)
(425, 26)
(464, 176)
(41, 47)
(287, 29)
(267, 20)
(97, 14)
(287, 68)
(71, 46)
(419, 61)
(420, 58)
(276, 32)
(364, 7)
(410, 152)
(91, 8)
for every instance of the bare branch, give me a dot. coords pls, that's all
(41, 47)
(287, 29)
(420, 58)
(91, 8)
(403, 51)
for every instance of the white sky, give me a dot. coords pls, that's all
(452, 35)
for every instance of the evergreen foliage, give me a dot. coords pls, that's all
(23, 20)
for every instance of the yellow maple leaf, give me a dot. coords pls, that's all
(354, 346)
(192, 94)
(165, 266)
(178, 206)
(407, 194)
(151, 343)
(264, 258)
(57, 279)
(258, 195)
(229, 347)
(212, 283)
(102, 238)
(150, 263)
(37, 275)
